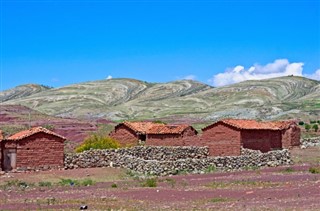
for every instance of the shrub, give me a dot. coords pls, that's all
(315, 127)
(96, 141)
(301, 123)
(210, 169)
(87, 182)
(314, 170)
(65, 182)
(313, 121)
(114, 185)
(45, 184)
(307, 127)
(150, 182)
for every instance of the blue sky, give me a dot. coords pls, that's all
(57, 43)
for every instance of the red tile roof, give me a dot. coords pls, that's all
(167, 129)
(141, 127)
(30, 132)
(250, 124)
(155, 128)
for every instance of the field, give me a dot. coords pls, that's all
(295, 187)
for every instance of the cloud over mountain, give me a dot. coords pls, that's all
(278, 68)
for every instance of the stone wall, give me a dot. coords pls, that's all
(172, 160)
(310, 142)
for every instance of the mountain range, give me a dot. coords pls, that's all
(129, 99)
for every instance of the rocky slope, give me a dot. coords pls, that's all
(120, 99)
(22, 91)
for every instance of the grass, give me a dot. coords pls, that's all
(241, 184)
(74, 182)
(210, 169)
(150, 182)
(218, 200)
(288, 170)
(45, 184)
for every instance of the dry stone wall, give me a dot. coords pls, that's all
(172, 160)
(310, 142)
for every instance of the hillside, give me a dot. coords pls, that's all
(120, 99)
(22, 91)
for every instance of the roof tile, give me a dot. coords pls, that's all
(250, 124)
(30, 132)
(155, 128)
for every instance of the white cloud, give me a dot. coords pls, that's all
(109, 77)
(315, 75)
(189, 77)
(278, 68)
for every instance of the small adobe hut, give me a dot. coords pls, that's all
(131, 133)
(226, 137)
(170, 135)
(33, 148)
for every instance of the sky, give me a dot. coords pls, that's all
(57, 43)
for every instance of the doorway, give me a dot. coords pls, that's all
(9, 159)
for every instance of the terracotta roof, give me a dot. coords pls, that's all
(167, 129)
(30, 132)
(250, 124)
(155, 128)
(141, 127)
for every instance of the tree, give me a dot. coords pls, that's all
(315, 127)
(307, 127)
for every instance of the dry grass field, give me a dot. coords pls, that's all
(295, 187)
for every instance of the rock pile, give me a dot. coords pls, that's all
(310, 142)
(172, 160)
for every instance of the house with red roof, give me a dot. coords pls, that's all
(149, 133)
(227, 136)
(35, 148)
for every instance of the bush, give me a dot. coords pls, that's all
(314, 170)
(313, 121)
(307, 127)
(301, 123)
(96, 141)
(114, 185)
(315, 127)
(87, 182)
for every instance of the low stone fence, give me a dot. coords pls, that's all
(310, 142)
(196, 160)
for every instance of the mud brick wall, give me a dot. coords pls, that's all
(172, 160)
(222, 140)
(263, 140)
(164, 140)
(40, 151)
(124, 136)
(291, 137)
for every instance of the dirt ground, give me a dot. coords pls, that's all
(294, 187)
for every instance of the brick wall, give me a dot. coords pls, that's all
(125, 136)
(263, 140)
(291, 137)
(222, 140)
(40, 150)
(171, 139)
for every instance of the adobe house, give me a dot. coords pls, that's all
(131, 133)
(33, 148)
(170, 135)
(227, 136)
